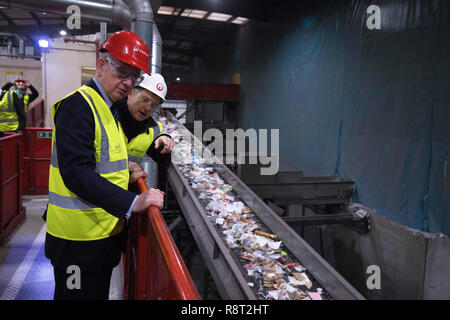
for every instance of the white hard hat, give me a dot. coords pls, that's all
(154, 83)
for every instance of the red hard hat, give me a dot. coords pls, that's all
(127, 47)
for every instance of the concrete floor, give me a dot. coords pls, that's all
(25, 273)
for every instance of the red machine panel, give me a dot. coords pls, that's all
(36, 113)
(203, 91)
(181, 91)
(37, 150)
(11, 164)
(218, 91)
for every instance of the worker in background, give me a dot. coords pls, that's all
(144, 135)
(21, 88)
(12, 112)
(88, 180)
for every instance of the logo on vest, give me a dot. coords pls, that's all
(117, 148)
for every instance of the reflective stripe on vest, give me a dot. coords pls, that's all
(26, 102)
(138, 146)
(69, 202)
(70, 217)
(9, 121)
(105, 165)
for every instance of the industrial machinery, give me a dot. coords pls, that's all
(249, 250)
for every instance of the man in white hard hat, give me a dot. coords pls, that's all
(143, 134)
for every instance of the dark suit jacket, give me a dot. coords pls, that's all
(75, 134)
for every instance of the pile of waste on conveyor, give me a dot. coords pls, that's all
(270, 269)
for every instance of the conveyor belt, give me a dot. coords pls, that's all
(224, 263)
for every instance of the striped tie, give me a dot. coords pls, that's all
(115, 112)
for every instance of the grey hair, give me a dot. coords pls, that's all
(104, 55)
(137, 90)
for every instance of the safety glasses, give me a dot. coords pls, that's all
(145, 100)
(123, 74)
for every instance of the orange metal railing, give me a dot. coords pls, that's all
(153, 266)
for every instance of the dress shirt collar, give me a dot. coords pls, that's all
(104, 95)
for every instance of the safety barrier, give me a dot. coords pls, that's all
(36, 113)
(11, 167)
(37, 144)
(153, 267)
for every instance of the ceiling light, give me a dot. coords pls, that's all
(192, 13)
(176, 11)
(43, 43)
(240, 20)
(186, 12)
(63, 32)
(165, 10)
(219, 17)
(178, 79)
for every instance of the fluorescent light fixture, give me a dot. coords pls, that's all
(240, 20)
(219, 17)
(176, 11)
(165, 10)
(43, 43)
(63, 32)
(192, 13)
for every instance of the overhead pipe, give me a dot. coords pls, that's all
(156, 51)
(136, 15)
(19, 39)
(142, 22)
(143, 25)
(111, 11)
(10, 45)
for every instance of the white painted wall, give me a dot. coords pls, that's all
(62, 69)
(31, 69)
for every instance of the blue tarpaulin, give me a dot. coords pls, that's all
(371, 105)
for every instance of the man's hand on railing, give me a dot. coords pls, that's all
(136, 172)
(151, 197)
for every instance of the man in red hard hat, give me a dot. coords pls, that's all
(88, 180)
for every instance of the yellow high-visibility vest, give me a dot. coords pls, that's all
(138, 146)
(9, 121)
(26, 102)
(70, 217)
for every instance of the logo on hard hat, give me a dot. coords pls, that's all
(136, 48)
(160, 87)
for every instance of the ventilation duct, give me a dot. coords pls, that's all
(20, 40)
(156, 51)
(111, 11)
(135, 15)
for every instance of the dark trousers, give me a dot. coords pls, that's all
(89, 285)
(83, 269)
